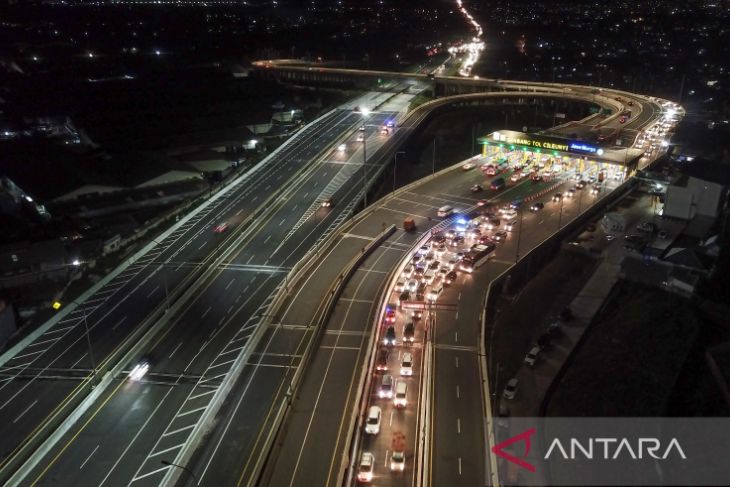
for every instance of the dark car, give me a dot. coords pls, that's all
(405, 296)
(458, 240)
(439, 238)
(450, 278)
(389, 338)
(476, 188)
(537, 206)
(554, 329)
(536, 178)
(591, 227)
(515, 204)
(543, 341)
(409, 333)
(634, 239)
(381, 363)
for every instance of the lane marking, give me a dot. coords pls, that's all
(89, 457)
(458, 425)
(458, 395)
(229, 284)
(25, 411)
(459, 465)
(153, 291)
(77, 362)
(119, 322)
(456, 336)
(206, 312)
(173, 352)
(267, 238)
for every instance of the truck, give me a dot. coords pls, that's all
(409, 224)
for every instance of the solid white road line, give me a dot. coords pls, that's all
(87, 458)
(25, 411)
(153, 291)
(77, 362)
(119, 322)
(175, 350)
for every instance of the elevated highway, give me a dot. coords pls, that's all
(275, 217)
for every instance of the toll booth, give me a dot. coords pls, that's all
(550, 154)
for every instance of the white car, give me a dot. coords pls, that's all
(365, 470)
(510, 390)
(372, 425)
(531, 356)
(406, 364)
(400, 285)
(412, 285)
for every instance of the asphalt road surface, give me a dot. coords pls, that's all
(136, 425)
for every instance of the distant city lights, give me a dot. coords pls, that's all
(472, 50)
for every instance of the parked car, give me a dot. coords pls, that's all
(510, 390)
(554, 330)
(645, 227)
(531, 356)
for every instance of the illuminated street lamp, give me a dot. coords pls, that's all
(364, 112)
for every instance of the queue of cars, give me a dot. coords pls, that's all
(431, 268)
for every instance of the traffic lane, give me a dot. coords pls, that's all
(32, 404)
(242, 422)
(157, 287)
(203, 330)
(309, 463)
(327, 392)
(458, 440)
(32, 389)
(106, 454)
(143, 277)
(113, 339)
(300, 460)
(394, 420)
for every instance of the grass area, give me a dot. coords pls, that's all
(631, 356)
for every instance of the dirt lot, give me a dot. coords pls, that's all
(519, 323)
(631, 356)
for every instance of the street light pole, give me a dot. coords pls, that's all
(364, 169)
(395, 166)
(88, 343)
(560, 217)
(433, 158)
(190, 472)
(519, 235)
